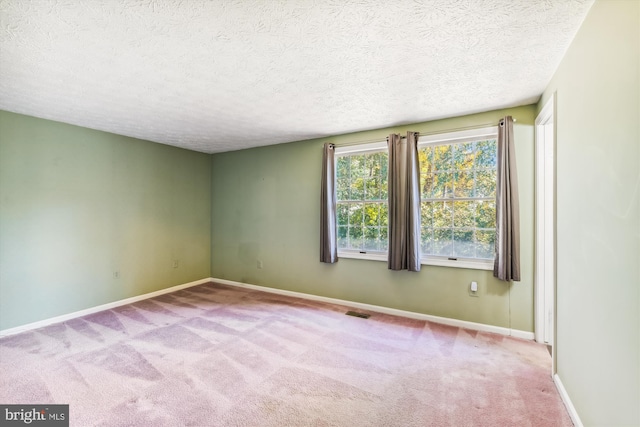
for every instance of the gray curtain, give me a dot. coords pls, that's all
(328, 226)
(507, 260)
(404, 202)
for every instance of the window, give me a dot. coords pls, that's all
(361, 186)
(458, 185)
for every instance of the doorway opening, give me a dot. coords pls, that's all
(545, 243)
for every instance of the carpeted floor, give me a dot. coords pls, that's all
(216, 355)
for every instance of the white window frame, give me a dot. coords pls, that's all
(490, 132)
(371, 147)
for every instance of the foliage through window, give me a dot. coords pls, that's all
(457, 186)
(458, 209)
(362, 214)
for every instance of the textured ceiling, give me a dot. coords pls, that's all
(225, 75)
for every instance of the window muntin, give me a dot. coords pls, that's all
(362, 204)
(458, 184)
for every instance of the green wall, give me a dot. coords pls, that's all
(77, 205)
(598, 215)
(266, 208)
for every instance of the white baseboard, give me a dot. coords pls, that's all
(64, 317)
(517, 333)
(410, 314)
(413, 315)
(567, 402)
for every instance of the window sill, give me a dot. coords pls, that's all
(459, 263)
(440, 262)
(371, 256)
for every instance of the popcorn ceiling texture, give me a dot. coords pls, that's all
(224, 75)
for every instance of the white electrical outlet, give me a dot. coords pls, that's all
(474, 286)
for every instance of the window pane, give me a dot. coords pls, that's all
(426, 185)
(355, 237)
(424, 157)
(355, 214)
(384, 195)
(426, 241)
(342, 214)
(372, 189)
(463, 245)
(357, 166)
(442, 158)
(486, 214)
(463, 214)
(426, 214)
(342, 237)
(443, 242)
(384, 162)
(342, 188)
(442, 185)
(486, 154)
(371, 214)
(485, 244)
(463, 184)
(486, 183)
(342, 167)
(442, 214)
(357, 188)
(372, 162)
(384, 238)
(371, 238)
(463, 156)
(384, 214)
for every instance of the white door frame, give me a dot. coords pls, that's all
(545, 243)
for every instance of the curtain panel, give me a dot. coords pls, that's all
(507, 260)
(404, 203)
(328, 223)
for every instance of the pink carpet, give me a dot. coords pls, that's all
(215, 355)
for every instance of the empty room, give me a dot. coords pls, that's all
(320, 213)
